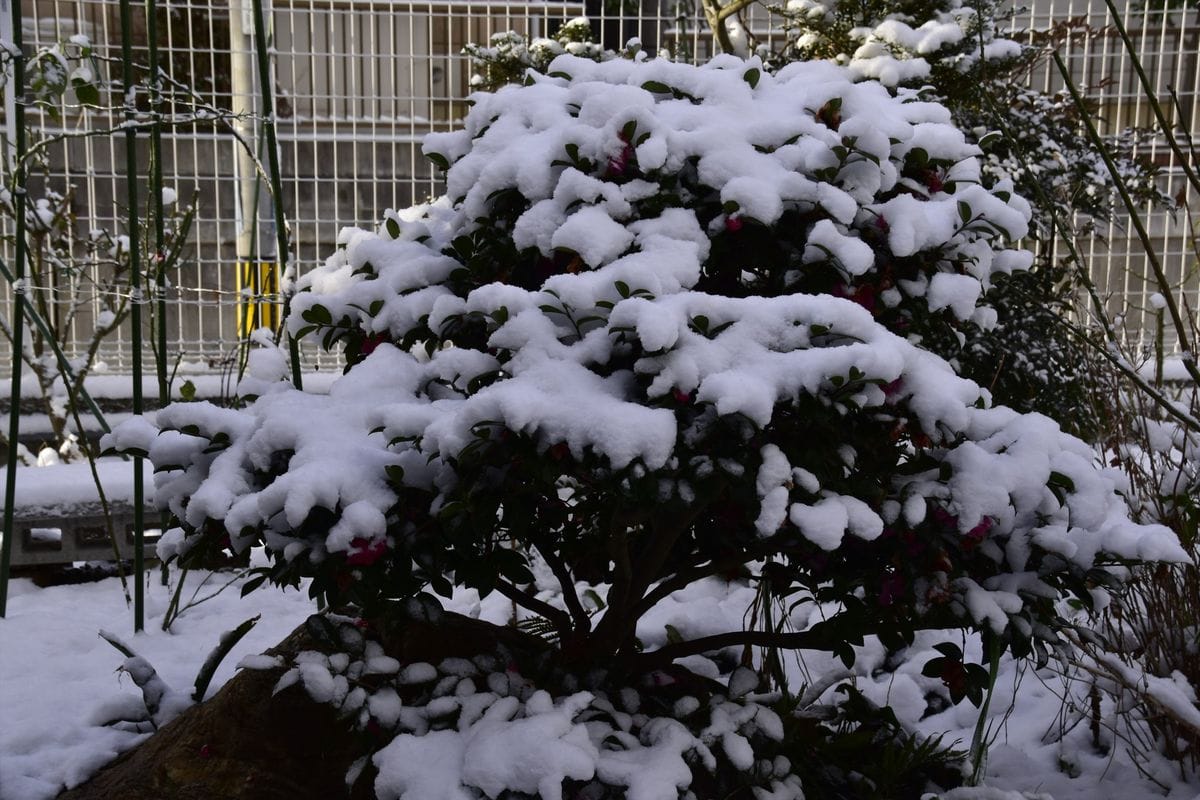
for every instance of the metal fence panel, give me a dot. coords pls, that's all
(360, 82)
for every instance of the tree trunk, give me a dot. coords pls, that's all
(244, 744)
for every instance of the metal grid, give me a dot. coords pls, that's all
(359, 82)
(1166, 36)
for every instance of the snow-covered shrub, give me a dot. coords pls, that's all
(964, 57)
(508, 55)
(1034, 359)
(1153, 668)
(666, 324)
(897, 42)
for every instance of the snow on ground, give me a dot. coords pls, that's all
(207, 383)
(115, 387)
(64, 486)
(58, 675)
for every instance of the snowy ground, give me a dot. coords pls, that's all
(59, 676)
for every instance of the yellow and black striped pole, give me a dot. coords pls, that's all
(258, 296)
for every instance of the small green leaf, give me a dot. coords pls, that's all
(1057, 479)
(439, 160)
(964, 211)
(86, 93)
(751, 77)
(989, 138)
(395, 474)
(393, 228)
(656, 87)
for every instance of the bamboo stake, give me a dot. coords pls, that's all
(137, 300)
(19, 290)
(156, 205)
(281, 234)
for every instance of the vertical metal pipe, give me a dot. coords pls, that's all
(246, 205)
(136, 299)
(17, 88)
(281, 234)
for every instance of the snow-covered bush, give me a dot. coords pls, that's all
(508, 55)
(667, 323)
(964, 57)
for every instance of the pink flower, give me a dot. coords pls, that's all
(365, 552)
(733, 224)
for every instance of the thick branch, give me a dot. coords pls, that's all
(716, 23)
(557, 617)
(652, 557)
(686, 577)
(583, 623)
(716, 14)
(795, 640)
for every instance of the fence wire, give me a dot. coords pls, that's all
(358, 83)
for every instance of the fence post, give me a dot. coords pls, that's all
(17, 87)
(136, 300)
(288, 277)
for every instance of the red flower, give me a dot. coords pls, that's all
(365, 552)
(560, 451)
(619, 164)
(733, 224)
(371, 342)
(205, 751)
(864, 295)
(977, 534)
(681, 396)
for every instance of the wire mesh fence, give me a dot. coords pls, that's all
(358, 83)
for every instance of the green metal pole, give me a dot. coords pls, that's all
(156, 205)
(281, 237)
(19, 290)
(136, 300)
